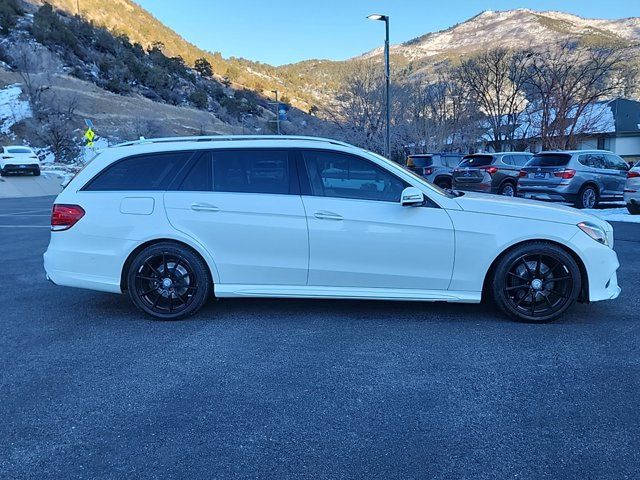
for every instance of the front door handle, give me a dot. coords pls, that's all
(204, 207)
(322, 215)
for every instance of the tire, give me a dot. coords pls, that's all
(507, 189)
(443, 183)
(536, 282)
(587, 197)
(36, 173)
(634, 208)
(154, 292)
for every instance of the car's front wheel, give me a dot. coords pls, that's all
(634, 208)
(536, 282)
(168, 281)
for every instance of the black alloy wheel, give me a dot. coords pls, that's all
(536, 282)
(168, 281)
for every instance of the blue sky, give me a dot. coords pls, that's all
(286, 31)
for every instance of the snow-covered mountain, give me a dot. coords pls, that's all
(514, 28)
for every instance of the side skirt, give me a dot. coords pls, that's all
(355, 293)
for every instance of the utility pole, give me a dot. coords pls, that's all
(387, 141)
(277, 104)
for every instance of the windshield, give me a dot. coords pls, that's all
(18, 150)
(421, 162)
(417, 177)
(549, 160)
(476, 161)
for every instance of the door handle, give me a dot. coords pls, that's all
(204, 207)
(322, 215)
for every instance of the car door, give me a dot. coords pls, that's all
(360, 235)
(244, 207)
(618, 169)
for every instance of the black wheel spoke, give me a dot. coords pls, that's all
(538, 266)
(560, 279)
(164, 264)
(517, 287)
(147, 292)
(521, 301)
(149, 279)
(153, 269)
(548, 301)
(534, 297)
(519, 276)
(170, 302)
(526, 266)
(155, 302)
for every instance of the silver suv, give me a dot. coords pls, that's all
(581, 177)
(490, 172)
(632, 190)
(434, 167)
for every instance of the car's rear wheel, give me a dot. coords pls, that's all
(536, 282)
(507, 189)
(587, 197)
(168, 281)
(634, 209)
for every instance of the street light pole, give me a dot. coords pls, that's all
(387, 74)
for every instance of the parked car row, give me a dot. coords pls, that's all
(18, 159)
(581, 177)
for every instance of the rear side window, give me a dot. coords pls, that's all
(593, 160)
(251, 171)
(508, 159)
(477, 161)
(520, 160)
(549, 160)
(198, 179)
(142, 172)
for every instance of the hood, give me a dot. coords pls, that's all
(522, 208)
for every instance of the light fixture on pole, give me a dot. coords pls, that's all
(385, 19)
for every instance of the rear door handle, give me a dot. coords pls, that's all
(204, 207)
(322, 215)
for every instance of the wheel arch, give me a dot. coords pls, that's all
(590, 183)
(443, 176)
(125, 267)
(584, 277)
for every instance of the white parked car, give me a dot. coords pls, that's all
(173, 222)
(632, 190)
(19, 159)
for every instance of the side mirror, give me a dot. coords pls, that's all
(411, 197)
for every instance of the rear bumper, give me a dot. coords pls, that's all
(21, 167)
(480, 187)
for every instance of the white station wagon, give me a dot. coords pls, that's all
(174, 222)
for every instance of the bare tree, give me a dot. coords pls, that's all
(565, 85)
(496, 79)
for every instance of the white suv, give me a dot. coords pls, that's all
(173, 222)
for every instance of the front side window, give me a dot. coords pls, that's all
(616, 163)
(151, 172)
(251, 171)
(335, 174)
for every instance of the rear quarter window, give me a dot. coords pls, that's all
(151, 172)
(419, 162)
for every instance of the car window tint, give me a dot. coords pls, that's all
(453, 161)
(593, 160)
(420, 162)
(507, 159)
(18, 150)
(520, 160)
(198, 179)
(334, 174)
(142, 172)
(549, 160)
(251, 171)
(477, 161)
(615, 163)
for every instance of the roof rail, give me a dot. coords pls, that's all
(220, 138)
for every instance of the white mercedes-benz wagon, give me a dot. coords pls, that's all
(173, 222)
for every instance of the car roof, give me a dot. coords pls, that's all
(572, 152)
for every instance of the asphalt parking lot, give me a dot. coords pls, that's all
(91, 388)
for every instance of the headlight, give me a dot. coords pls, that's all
(595, 232)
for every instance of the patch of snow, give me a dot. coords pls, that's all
(12, 108)
(614, 215)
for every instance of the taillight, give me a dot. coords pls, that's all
(633, 174)
(522, 174)
(565, 174)
(63, 217)
(426, 171)
(490, 170)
